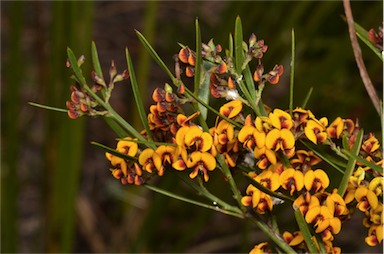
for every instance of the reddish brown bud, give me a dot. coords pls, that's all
(181, 89)
(184, 55)
(189, 71)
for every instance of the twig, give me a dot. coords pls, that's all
(359, 60)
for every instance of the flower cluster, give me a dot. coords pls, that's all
(280, 152)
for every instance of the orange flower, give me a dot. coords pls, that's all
(336, 204)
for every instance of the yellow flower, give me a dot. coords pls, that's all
(146, 159)
(281, 119)
(231, 109)
(201, 162)
(163, 156)
(366, 199)
(280, 139)
(261, 248)
(266, 157)
(251, 137)
(223, 133)
(292, 180)
(269, 179)
(336, 204)
(371, 144)
(335, 128)
(315, 131)
(305, 160)
(375, 235)
(197, 140)
(127, 147)
(376, 215)
(293, 239)
(319, 215)
(376, 185)
(316, 180)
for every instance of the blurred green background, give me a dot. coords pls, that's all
(57, 194)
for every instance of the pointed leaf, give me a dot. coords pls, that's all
(363, 35)
(351, 164)
(136, 93)
(75, 67)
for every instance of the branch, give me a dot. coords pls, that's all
(359, 60)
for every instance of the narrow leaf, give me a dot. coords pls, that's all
(303, 226)
(364, 162)
(48, 107)
(363, 35)
(95, 60)
(304, 104)
(156, 57)
(191, 201)
(239, 54)
(230, 46)
(75, 67)
(351, 164)
(120, 132)
(136, 94)
(326, 157)
(292, 77)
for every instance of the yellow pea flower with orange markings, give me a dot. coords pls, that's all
(315, 131)
(366, 199)
(201, 162)
(292, 180)
(231, 109)
(316, 180)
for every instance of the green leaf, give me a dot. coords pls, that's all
(75, 67)
(304, 104)
(48, 107)
(120, 132)
(136, 93)
(335, 163)
(95, 60)
(363, 161)
(114, 152)
(192, 201)
(239, 54)
(156, 57)
(303, 226)
(363, 35)
(230, 46)
(292, 76)
(351, 163)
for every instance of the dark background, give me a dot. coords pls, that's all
(57, 192)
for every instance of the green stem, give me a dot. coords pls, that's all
(227, 172)
(271, 234)
(191, 201)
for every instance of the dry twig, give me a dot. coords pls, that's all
(359, 60)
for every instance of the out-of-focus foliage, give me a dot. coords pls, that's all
(92, 214)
